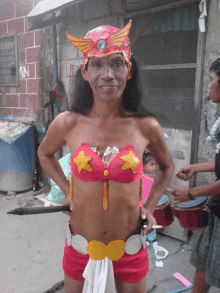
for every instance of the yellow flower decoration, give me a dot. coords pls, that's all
(98, 250)
(130, 161)
(82, 162)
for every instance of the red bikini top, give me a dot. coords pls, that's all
(125, 167)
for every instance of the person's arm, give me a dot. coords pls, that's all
(188, 171)
(53, 141)
(206, 190)
(185, 193)
(157, 146)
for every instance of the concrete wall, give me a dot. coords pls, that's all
(26, 99)
(206, 151)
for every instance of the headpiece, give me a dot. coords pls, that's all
(103, 41)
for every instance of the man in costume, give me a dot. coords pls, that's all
(107, 133)
(206, 255)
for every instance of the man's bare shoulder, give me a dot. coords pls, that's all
(64, 122)
(147, 124)
(143, 121)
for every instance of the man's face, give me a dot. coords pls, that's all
(214, 88)
(107, 77)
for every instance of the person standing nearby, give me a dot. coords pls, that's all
(104, 251)
(206, 254)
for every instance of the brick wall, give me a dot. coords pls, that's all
(26, 99)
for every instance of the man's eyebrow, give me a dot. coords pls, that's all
(95, 59)
(117, 58)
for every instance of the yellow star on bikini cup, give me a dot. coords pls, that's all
(82, 162)
(130, 161)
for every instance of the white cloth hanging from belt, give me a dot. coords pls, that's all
(99, 276)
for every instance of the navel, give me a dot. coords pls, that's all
(104, 231)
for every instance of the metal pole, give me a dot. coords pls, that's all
(54, 53)
(55, 72)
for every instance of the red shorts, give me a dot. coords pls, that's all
(129, 268)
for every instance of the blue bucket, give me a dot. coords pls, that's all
(17, 163)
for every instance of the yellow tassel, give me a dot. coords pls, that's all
(71, 186)
(141, 190)
(105, 195)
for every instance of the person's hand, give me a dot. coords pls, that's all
(180, 194)
(147, 214)
(68, 201)
(185, 173)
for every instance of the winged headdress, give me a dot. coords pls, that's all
(103, 41)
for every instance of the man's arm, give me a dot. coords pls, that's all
(160, 152)
(188, 171)
(206, 190)
(182, 194)
(157, 146)
(53, 141)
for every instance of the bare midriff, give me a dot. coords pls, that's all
(119, 221)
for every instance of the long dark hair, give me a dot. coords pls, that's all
(82, 97)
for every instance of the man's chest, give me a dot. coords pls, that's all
(102, 136)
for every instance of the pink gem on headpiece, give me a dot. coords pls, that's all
(103, 41)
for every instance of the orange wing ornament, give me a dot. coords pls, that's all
(83, 45)
(103, 41)
(118, 38)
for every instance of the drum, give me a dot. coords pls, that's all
(163, 212)
(192, 214)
